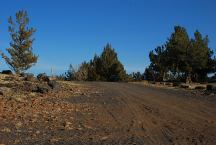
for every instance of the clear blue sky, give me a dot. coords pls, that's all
(71, 31)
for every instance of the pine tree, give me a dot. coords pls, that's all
(94, 69)
(20, 50)
(200, 57)
(82, 72)
(158, 59)
(111, 67)
(178, 48)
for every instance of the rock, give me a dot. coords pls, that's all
(186, 86)
(191, 87)
(18, 98)
(43, 77)
(104, 138)
(200, 87)
(28, 77)
(5, 91)
(53, 78)
(6, 129)
(18, 125)
(29, 87)
(8, 72)
(42, 88)
(211, 87)
(53, 84)
(68, 125)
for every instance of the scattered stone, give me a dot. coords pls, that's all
(29, 87)
(28, 77)
(53, 84)
(18, 99)
(18, 125)
(10, 78)
(67, 125)
(42, 88)
(104, 138)
(5, 91)
(6, 129)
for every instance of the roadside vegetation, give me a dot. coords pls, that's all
(181, 58)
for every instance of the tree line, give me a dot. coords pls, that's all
(180, 58)
(105, 67)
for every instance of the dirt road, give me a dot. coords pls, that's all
(133, 114)
(122, 113)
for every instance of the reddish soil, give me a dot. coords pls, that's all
(109, 113)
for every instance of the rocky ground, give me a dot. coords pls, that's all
(38, 116)
(35, 112)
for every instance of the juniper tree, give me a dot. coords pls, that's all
(20, 50)
(182, 58)
(111, 68)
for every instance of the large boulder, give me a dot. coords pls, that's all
(7, 72)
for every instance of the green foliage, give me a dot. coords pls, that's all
(22, 57)
(110, 68)
(177, 49)
(150, 74)
(137, 76)
(82, 72)
(158, 65)
(181, 58)
(105, 67)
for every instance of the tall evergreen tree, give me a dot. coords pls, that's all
(111, 67)
(200, 57)
(158, 59)
(94, 69)
(178, 48)
(182, 58)
(22, 57)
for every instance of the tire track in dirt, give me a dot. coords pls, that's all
(156, 120)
